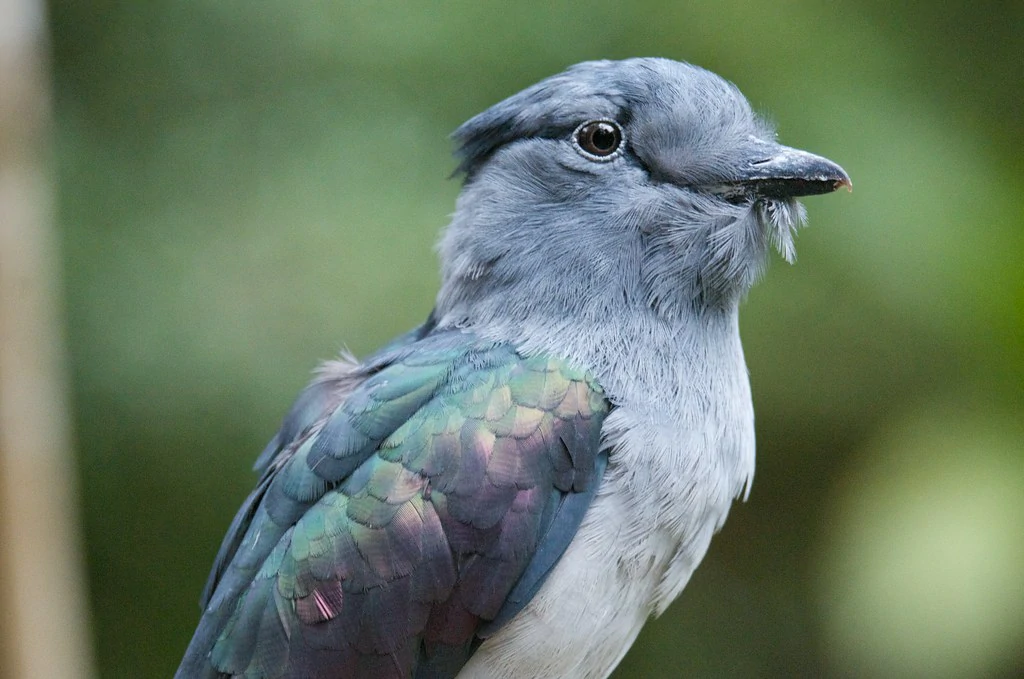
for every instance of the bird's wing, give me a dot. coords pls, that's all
(334, 384)
(399, 527)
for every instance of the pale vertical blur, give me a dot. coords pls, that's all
(42, 594)
(246, 187)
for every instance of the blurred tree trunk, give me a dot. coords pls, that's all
(43, 628)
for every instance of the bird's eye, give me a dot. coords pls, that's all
(598, 140)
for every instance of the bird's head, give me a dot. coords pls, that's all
(644, 183)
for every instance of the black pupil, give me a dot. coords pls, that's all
(601, 138)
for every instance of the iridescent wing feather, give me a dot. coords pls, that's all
(395, 528)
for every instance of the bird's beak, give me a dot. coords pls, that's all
(775, 171)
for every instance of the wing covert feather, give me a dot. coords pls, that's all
(384, 540)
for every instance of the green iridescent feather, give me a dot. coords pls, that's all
(394, 528)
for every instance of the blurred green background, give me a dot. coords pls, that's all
(246, 187)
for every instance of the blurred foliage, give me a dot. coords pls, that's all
(245, 186)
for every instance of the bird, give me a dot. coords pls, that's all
(515, 487)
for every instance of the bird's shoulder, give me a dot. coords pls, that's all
(409, 506)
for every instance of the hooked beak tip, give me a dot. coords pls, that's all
(791, 173)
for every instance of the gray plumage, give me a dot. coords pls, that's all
(634, 269)
(612, 218)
